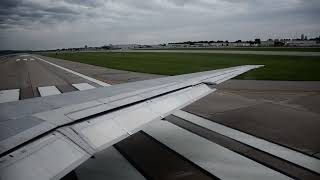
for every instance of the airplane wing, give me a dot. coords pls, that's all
(47, 137)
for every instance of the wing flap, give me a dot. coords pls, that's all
(49, 157)
(103, 131)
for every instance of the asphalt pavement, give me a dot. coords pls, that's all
(27, 73)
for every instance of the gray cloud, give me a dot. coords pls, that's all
(9, 3)
(21, 14)
(88, 3)
(70, 23)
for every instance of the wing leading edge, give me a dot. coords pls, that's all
(68, 129)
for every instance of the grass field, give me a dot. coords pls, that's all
(315, 49)
(276, 67)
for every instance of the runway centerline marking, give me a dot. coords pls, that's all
(216, 159)
(76, 73)
(48, 91)
(9, 95)
(292, 156)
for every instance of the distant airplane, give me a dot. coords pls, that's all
(47, 137)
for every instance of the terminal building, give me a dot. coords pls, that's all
(301, 43)
(267, 43)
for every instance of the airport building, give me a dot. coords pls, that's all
(240, 44)
(125, 46)
(301, 43)
(219, 44)
(177, 45)
(268, 43)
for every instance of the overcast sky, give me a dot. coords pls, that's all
(50, 24)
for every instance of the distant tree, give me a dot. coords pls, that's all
(105, 47)
(278, 43)
(251, 42)
(257, 41)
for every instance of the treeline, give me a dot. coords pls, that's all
(257, 41)
(6, 52)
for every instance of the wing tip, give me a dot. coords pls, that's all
(258, 66)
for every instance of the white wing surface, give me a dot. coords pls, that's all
(45, 138)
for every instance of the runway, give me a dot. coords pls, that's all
(28, 74)
(189, 146)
